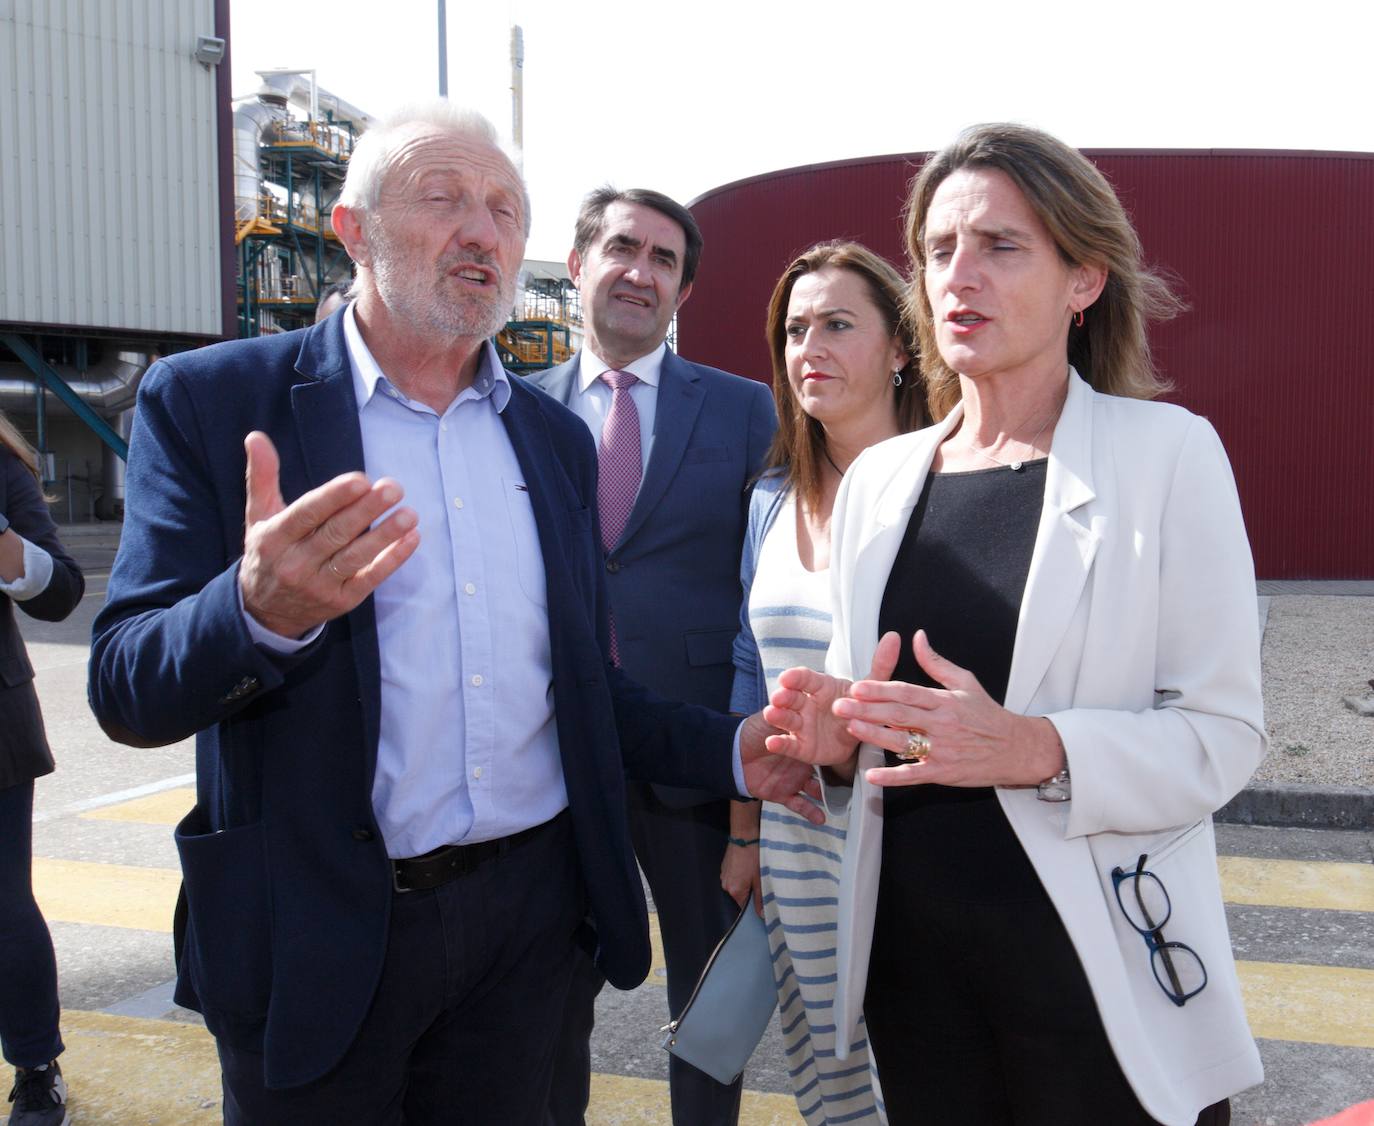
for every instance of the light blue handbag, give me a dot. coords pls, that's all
(729, 1010)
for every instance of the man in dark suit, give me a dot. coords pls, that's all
(697, 437)
(411, 747)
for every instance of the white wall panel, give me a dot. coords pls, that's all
(109, 177)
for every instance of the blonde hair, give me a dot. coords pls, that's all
(1089, 227)
(798, 447)
(18, 445)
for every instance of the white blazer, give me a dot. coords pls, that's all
(1138, 637)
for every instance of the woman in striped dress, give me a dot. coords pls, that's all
(842, 363)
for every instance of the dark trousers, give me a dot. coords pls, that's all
(463, 1025)
(680, 850)
(977, 1008)
(28, 970)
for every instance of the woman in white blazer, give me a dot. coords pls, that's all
(1031, 920)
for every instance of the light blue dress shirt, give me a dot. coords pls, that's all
(468, 750)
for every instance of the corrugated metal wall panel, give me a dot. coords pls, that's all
(109, 202)
(1272, 253)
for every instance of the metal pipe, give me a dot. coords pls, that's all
(111, 503)
(517, 90)
(251, 119)
(40, 407)
(443, 50)
(313, 98)
(108, 387)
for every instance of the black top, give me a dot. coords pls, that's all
(959, 575)
(24, 753)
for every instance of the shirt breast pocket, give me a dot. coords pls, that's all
(529, 556)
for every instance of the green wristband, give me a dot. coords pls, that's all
(740, 842)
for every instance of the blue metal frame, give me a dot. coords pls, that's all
(58, 386)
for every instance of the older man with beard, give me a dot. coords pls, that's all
(411, 747)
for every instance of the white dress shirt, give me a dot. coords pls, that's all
(37, 573)
(591, 400)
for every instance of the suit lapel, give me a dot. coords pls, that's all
(331, 441)
(559, 381)
(529, 437)
(680, 397)
(324, 406)
(1065, 546)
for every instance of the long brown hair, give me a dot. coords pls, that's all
(1089, 226)
(798, 447)
(15, 442)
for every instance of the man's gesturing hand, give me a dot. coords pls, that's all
(319, 557)
(802, 708)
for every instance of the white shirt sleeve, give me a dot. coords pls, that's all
(37, 573)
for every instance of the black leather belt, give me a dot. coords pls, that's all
(449, 862)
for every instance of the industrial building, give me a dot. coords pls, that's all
(1271, 251)
(112, 220)
(143, 212)
(288, 172)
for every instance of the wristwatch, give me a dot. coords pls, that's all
(1056, 789)
(4, 523)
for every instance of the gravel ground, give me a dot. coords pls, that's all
(1317, 649)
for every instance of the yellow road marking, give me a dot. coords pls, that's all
(619, 1100)
(1314, 1004)
(165, 1073)
(1297, 883)
(106, 895)
(154, 1072)
(658, 965)
(166, 808)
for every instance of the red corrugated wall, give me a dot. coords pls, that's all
(1274, 252)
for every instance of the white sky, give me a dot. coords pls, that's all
(686, 97)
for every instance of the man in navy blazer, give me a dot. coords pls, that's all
(673, 578)
(410, 745)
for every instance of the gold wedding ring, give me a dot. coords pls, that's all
(917, 746)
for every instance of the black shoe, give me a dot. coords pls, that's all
(39, 1096)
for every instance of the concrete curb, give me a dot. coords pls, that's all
(1293, 805)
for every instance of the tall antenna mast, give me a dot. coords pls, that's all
(517, 89)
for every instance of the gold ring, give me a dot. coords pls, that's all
(917, 747)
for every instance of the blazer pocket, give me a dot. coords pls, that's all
(228, 950)
(579, 521)
(1188, 878)
(709, 646)
(1157, 847)
(705, 453)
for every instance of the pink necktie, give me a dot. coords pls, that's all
(620, 468)
(621, 463)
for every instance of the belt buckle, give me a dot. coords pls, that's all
(396, 881)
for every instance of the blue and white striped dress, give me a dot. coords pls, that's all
(789, 613)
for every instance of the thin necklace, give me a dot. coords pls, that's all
(830, 459)
(1017, 466)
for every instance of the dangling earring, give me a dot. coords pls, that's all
(1078, 318)
(897, 378)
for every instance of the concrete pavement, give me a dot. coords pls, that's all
(1300, 903)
